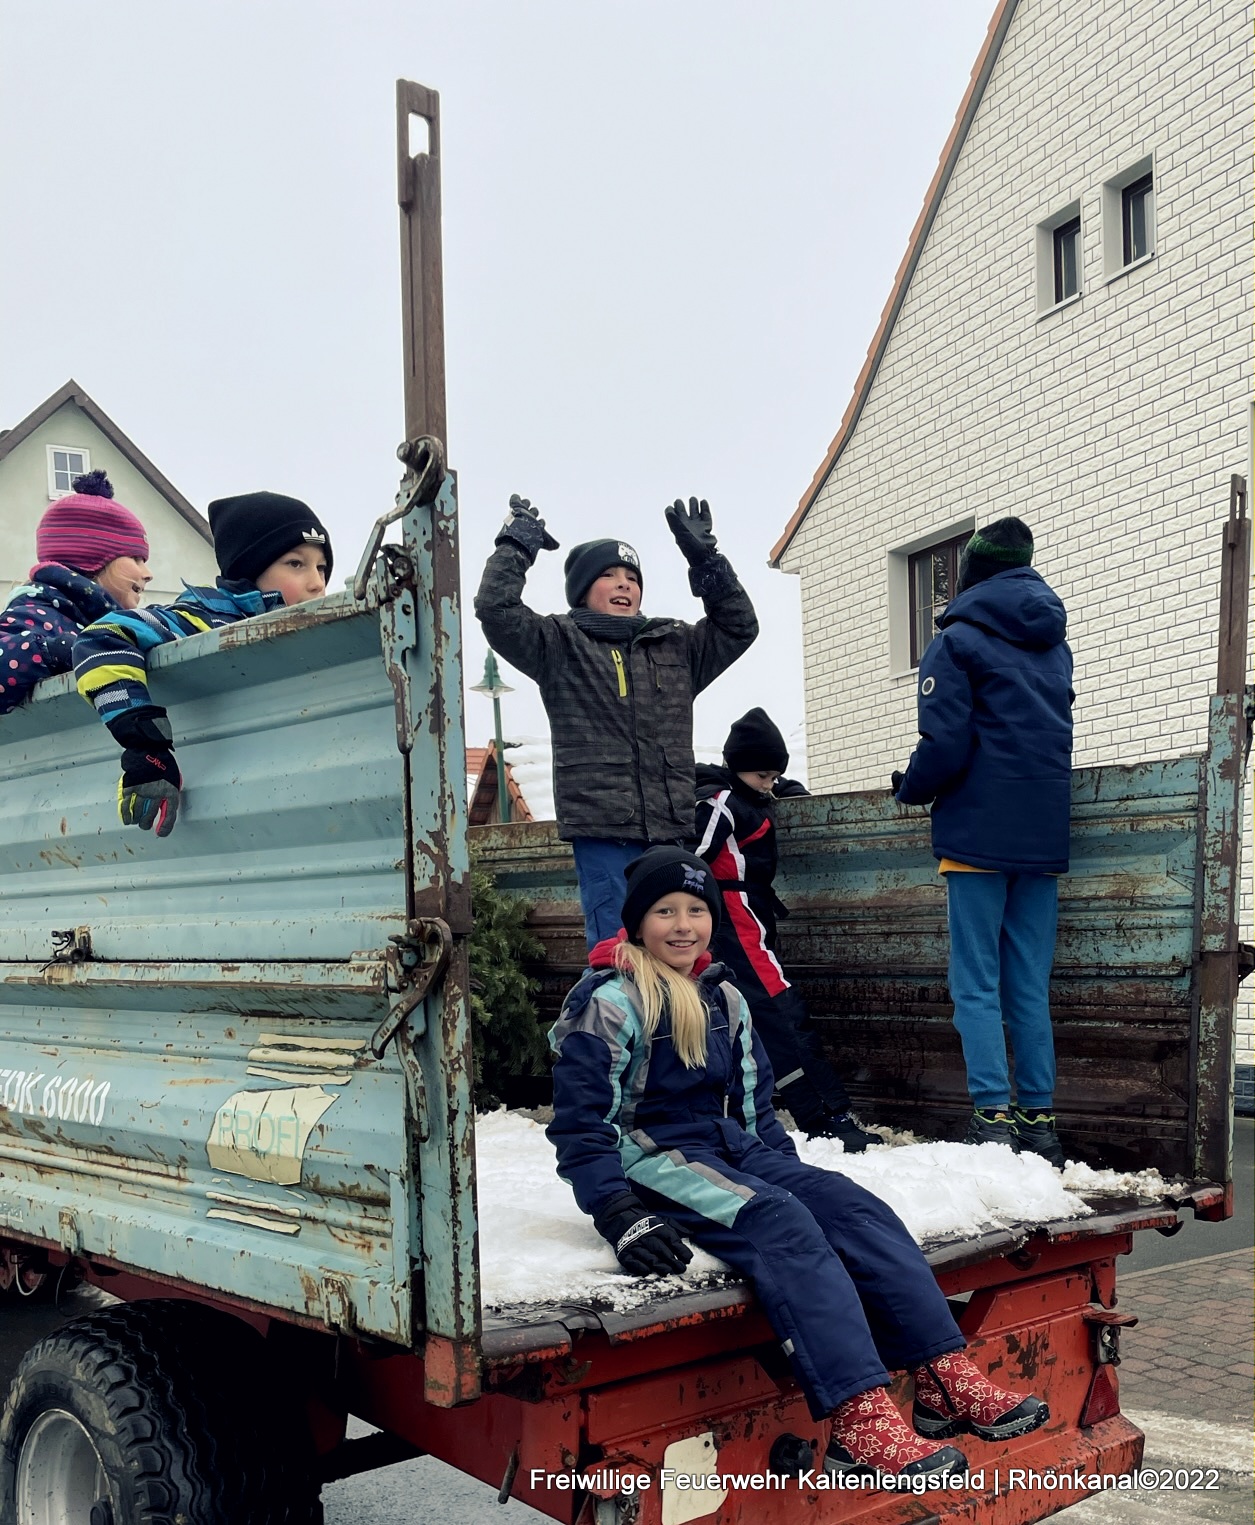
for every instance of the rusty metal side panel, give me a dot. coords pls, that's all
(866, 943)
(290, 840)
(255, 1155)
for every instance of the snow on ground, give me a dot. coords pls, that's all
(537, 1247)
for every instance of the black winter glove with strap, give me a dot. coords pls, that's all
(148, 791)
(710, 575)
(525, 528)
(643, 1242)
(895, 780)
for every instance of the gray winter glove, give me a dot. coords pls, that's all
(693, 530)
(525, 528)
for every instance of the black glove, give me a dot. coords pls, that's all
(148, 791)
(693, 530)
(643, 1242)
(524, 527)
(895, 780)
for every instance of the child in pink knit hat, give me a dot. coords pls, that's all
(92, 558)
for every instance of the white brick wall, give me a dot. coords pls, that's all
(1112, 425)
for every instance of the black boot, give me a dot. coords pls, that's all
(991, 1125)
(841, 1125)
(1035, 1134)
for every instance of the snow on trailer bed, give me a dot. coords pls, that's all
(547, 1274)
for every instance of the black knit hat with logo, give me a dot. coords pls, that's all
(585, 564)
(754, 743)
(1004, 544)
(659, 872)
(254, 529)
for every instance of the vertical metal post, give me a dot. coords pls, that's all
(437, 1051)
(422, 265)
(1220, 847)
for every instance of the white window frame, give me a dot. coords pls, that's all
(898, 573)
(60, 492)
(1113, 189)
(1045, 254)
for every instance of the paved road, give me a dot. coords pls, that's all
(1186, 1380)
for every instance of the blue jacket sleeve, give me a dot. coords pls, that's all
(593, 1040)
(749, 1096)
(945, 725)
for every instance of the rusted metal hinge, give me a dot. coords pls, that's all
(416, 964)
(423, 459)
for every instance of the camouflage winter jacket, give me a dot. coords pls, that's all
(620, 707)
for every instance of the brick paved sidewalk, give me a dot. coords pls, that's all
(1193, 1350)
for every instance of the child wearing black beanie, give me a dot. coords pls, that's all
(272, 551)
(736, 836)
(618, 687)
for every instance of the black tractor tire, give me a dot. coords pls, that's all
(188, 1423)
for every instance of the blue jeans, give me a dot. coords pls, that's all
(1002, 946)
(599, 865)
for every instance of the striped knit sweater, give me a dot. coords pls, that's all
(111, 655)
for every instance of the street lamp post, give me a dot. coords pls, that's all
(492, 685)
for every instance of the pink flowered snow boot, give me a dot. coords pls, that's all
(952, 1395)
(870, 1436)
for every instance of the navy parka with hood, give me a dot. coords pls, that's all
(843, 1284)
(995, 720)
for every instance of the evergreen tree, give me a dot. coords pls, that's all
(507, 1038)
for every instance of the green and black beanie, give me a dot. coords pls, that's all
(1004, 544)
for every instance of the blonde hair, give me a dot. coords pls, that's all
(663, 989)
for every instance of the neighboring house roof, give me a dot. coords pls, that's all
(10, 439)
(481, 782)
(981, 71)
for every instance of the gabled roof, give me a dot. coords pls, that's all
(72, 392)
(481, 766)
(981, 71)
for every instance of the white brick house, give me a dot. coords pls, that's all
(1069, 339)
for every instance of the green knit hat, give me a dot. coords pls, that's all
(1004, 544)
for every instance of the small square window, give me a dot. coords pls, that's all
(933, 576)
(1067, 260)
(1059, 258)
(65, 462)
(1137, 218)
(1128, 218)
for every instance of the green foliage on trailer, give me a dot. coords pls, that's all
(509, 1042)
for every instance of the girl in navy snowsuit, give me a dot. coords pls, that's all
(663, 1126)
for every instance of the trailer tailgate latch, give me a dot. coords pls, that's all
(416, 964)
(1107, 1326)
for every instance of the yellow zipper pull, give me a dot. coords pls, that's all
(618, 667)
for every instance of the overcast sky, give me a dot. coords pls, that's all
(669, 231)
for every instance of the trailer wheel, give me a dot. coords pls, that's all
(157, 1413)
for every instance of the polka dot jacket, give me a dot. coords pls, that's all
(39, 626)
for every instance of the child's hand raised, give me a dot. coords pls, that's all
(693, 530)
(524, 526)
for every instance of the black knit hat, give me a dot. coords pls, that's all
(659, 872)
(1004, 544)
(755, 742)
(256, 528)
(585, 564)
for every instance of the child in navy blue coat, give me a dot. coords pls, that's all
(663, 1126)
(995, 759)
